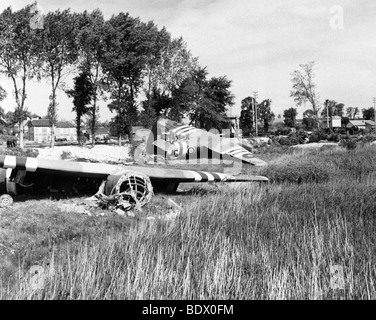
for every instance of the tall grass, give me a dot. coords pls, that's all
(275, 241)
(321, 166)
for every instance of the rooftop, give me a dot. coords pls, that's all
(46, 123)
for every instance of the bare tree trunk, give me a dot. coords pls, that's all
(19, 108)
(94, 119)
(78, 130)
(53, 105)
(21, 137)
(52, 136)
(130, 135)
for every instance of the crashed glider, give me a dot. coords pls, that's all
(177, 141)
(32, 176)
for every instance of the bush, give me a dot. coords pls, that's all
(369, 137)
(294, 139)
(348, 142)
(65, 155)
(32, 153)
(284, 141)
(7, 137)
(302, 136)
(334, 137)
(317, 136)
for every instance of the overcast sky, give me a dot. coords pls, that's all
(256, 44)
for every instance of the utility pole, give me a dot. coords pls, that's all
(255, 95)
(253, 113)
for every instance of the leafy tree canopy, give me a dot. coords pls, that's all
(290, 117)
(304, 87)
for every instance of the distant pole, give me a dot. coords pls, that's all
(255, 95)
(327, 115)
(374, 113)
(253, 113)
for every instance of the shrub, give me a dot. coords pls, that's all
(333, 137)
(284, 131)
(348, 143)
(65, 155)
(285, 141)
(317, 136)
(302, 136)
(294, 139)
(275, 140)
(32, 153)
(370, 137)
(7, 137)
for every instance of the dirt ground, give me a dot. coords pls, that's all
(98, 153)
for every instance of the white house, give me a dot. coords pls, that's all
(40, 131)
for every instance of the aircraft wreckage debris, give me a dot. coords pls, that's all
(131, 190)
(119, 188)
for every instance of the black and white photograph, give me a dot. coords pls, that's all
(187, 155)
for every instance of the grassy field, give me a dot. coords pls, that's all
(270, 241)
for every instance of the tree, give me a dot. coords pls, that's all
(124, 63)
(18, 55)
(158, 43)
(59, 51)
(82, 95)
(154, 106)
(352, 112)
(209, 100)
(246, 115)
(91, 52)
(344, 121)
(349, 112)
(169, 76)
(265, 113)
(304, 88)
(332, 109)
(368, 114)
(9, 118)
(177, 64)
(308, 114)
(290, 117)
(185, 98)
(3, 94)
(121, 124)
(356, 111)
(309, 123)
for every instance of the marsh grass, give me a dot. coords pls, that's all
(275, 241)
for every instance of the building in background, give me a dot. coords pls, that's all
(370, 125)
(334, 123)
(356, 124)
(40, 131)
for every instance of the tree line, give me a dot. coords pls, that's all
(304, 91)
(331, 109)
(113, 60)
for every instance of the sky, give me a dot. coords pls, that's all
(257, 44)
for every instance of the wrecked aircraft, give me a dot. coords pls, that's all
(177, 141)
(134, 184)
